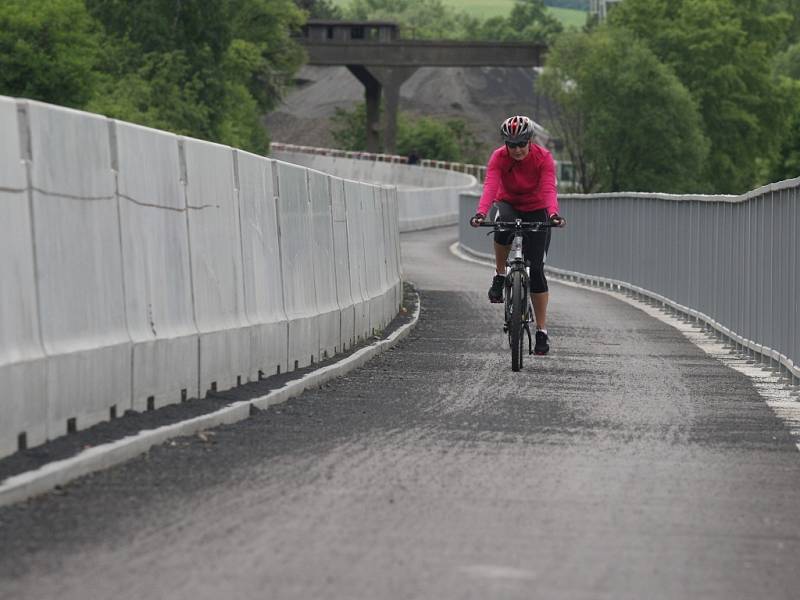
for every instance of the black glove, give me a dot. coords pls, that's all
(557, 220)
(477, 219)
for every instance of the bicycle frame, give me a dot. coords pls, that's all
(518, 306)
(516, 263)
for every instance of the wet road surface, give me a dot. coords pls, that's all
(626, 464)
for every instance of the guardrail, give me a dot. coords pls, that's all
(731, 263)
(140, 268)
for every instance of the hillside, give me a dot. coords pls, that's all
(482, 97)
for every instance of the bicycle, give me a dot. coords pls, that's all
(518, 308)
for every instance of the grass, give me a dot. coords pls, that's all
(485, 9)
(569, 17)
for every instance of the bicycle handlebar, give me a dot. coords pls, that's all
(518, 225)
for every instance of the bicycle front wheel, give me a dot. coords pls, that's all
(516, 332)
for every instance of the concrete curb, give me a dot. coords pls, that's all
(26, 485)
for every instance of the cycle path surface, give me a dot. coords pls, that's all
(626, 464)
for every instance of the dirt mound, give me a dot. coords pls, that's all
(481, 96)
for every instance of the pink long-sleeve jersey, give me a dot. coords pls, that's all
(528, 184)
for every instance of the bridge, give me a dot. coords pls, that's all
(653, 453)
(376, 55)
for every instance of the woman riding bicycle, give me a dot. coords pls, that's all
(521, 180)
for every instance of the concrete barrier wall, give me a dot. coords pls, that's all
(156, 270)
(23, 368)
(729, 262)
(76, 237)
(140, 268)
(261, 266)
(426, 196)
(478, 171)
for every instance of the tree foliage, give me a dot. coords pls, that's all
(426, 19)
(721, 50)
(206, 69)
(628, 123)
(431, 138)
(433, 19)
(48, 51)
(320, 9)
(786, 164)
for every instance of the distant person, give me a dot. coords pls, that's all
(521, 182)
(413, 158)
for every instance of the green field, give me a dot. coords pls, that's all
(500, 8)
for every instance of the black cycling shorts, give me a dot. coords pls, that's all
(534, 244)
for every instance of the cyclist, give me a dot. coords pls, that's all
(521, 181)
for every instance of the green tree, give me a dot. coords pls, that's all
(721, 50)
(528, 21)
(48, 51)
(786, 164)
(206, 69)
(640, 130)
(787, 63)
(320, 9)
(424, 19)
(433, 138)
(348, 128)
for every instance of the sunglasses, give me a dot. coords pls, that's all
(516, 144)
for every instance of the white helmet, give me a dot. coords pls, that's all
(517, 129)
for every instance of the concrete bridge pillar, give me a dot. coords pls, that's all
(392, 78)
(372, 98)
(375, 81)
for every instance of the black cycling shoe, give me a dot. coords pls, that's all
(542, 347)
(496, 291)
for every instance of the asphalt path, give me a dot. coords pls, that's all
(626, 464)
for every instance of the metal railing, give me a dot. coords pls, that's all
(730, 263)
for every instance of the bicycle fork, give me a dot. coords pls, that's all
(526, 325)
(529, 314)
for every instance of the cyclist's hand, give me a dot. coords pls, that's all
(557, 220)
(477, 219)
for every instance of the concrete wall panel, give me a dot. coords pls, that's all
(387, 269)
(392, 242)
(263, 279)
(344, 291)
(330, 332)
(355, 194)
(216, 259)
(374, 255)
(155, 251)
(23, 393)
(79, 266)
(297, 256)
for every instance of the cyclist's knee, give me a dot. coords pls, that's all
(538, 280)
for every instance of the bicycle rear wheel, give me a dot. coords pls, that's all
(516, 325)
